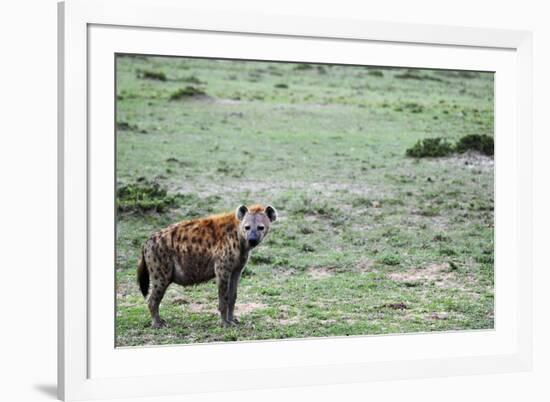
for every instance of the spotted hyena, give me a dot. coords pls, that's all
(198, 250)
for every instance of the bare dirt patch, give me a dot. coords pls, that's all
(226, 101)
(284, 318)
(289, 321)
(319, 272)
(439, 273)
(270, 188)
(240, 308)
(438, 315)
(246, 308)
(200, 308)
(364, 265)
(284, 272)
(470, 160)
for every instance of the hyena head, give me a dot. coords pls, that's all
(254, 222)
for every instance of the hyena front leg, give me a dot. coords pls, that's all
(157, 293)
(233, 283)
(223, 278)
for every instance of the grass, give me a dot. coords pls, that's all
(369, 241)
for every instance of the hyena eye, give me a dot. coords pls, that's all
(261, 227)
(247, 227)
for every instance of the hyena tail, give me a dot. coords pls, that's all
(143, 275)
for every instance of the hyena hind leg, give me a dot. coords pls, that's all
(157, 293)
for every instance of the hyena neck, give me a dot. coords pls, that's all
(244, 248)
(245, 253)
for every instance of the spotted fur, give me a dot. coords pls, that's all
(199, 250)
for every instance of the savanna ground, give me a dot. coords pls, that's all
(369, 240)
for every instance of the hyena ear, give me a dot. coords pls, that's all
(241, 212)
(271, 213)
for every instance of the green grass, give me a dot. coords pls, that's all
(369, 241)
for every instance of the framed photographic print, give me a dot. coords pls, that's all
(263, 201)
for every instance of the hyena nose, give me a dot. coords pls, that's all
(253, 242)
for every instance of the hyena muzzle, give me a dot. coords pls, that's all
(199, 250)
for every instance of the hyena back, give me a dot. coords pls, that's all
(199, 250)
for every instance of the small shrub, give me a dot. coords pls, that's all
(430, 147)
(144, 197)
(282, 86)
(476, 142)
(303, 66)
(435, 147)
(187, 92)
(376, 73)
(389, 259)
(152, 75)
(125, 126)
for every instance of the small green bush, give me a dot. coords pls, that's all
(303, 66)
(281, 86)
(125, 126)
(389, 259)
(152, 75)
(476, 142)
(187, 92)
(434, 147)
(144, 197)
(431, 147)
(376, 73)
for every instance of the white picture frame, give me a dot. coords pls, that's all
(90, 32)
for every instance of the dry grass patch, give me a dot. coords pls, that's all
(364, 265)
(289, 321)
(283, 272)
(240, 308)
(440, 274)
(319, 272)
(246, 308)
(438, 315)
